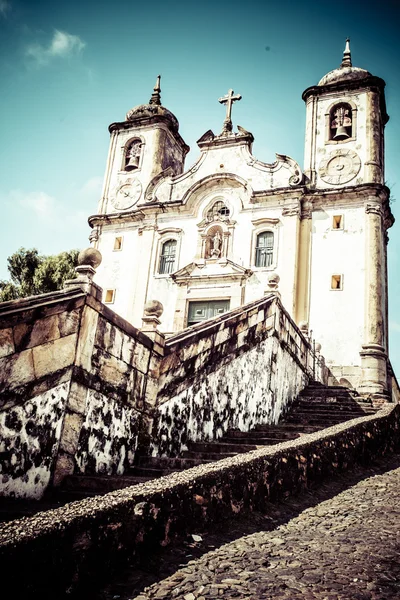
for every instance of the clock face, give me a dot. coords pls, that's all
(127, 195)
(339, 167)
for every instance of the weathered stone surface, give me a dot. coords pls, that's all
(54, 355)
(166, 507)
(77, 398)
(28, 335)
(16, 369)
(68, 322)
(28, 445)
(6, 342)
(70, 432)
(65, 465)
(86, 338)
(108, 436)
(344, 547)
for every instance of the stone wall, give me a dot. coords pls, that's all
(78, 546)
(75, 382)
(239, 370)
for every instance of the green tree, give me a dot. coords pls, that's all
(32, 274)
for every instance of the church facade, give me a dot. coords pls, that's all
(231, 228)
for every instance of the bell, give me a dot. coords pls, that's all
(133, 163)
(341, 133)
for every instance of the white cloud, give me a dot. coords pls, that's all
(62, 45)
(5, 8)
(92, 187)
(40, 203)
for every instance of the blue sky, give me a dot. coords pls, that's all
(69, 69)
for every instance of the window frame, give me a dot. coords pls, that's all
(170, 233)
(122, 243)
(265, 225)
(106, 291)
(165, 256)
(337, 289)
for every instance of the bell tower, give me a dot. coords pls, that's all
(344, 238)
(141, 147)
(345, 120)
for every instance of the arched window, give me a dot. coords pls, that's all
(132, 155)
(264, 249)
(219, 209)
(340, 122)
(167, 258)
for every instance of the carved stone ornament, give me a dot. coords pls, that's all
(374, 209)
(94, 235)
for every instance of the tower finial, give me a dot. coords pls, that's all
(156, 95)
(346, 62)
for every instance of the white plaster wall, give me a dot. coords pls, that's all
(30, 434)
(337, 317)
(133, 271)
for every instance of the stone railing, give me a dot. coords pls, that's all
(76, 385)
(79, 545)
(236, 371)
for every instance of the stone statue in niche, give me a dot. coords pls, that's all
(213, 246)
(132, 156)
(217, 239)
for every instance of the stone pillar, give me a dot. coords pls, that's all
(302, 306)
(289, 266)
(373, 353)
(150, 322)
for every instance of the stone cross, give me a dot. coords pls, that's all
(229, 99)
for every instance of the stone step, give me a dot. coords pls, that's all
(211, 456)
(218, 447)
(287, 427)
(98, 484)
(331, 407)
(255, 441)
(274, 432)
(330, 400)
(163, 462)
(150, 473)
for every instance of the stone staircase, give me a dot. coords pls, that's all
(317, 407)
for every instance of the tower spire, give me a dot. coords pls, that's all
(346, 62)
(156, 95)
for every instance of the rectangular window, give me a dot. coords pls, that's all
(118, 243)
(167, 258)
(109, 296)
(337, 222)
(206, 309)
(337, 282)
(264, 249)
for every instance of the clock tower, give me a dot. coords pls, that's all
(344, 270)
(144, 147)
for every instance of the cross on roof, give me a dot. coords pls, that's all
(229, 99)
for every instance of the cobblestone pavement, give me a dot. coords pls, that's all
(339, 542)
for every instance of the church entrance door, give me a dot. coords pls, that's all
(206, 309)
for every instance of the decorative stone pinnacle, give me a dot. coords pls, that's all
(156, 95)
(88, 261)
(228, 99)
(346, 62)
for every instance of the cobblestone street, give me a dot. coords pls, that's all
(329, 544)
